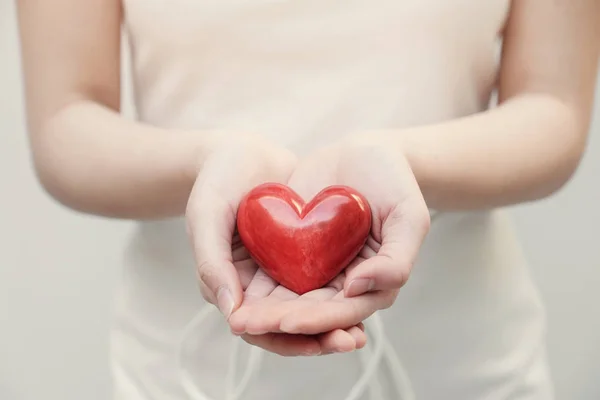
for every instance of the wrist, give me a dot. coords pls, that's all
(401, 142)
(256, 146)
(411, 144)
(204, 144)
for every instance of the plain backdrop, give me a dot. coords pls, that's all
(57, 269)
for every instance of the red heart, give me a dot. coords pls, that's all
(302, 245)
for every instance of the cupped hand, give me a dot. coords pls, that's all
(264, 292)
(371, 283)
(227, 276)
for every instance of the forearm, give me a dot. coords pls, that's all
(523, 150)
(92, 160)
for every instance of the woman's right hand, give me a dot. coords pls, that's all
(232, 169)
(224, 268)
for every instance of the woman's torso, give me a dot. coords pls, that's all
(468, 325)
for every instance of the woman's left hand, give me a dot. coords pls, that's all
(400, 223)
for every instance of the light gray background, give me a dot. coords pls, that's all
(57, 269)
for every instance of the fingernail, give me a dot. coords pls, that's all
(312, 352)
(287, 326)
(225, 301)
(237, 332)
(358, 336)
(360, 286)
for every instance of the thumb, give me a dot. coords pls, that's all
(210, 223)
(402, 232)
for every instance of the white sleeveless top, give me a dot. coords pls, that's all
(468, 325)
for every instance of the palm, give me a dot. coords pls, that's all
(269, 307)
(261, 292)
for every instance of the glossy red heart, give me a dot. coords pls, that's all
(302, 245)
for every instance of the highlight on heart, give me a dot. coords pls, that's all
(303, 245)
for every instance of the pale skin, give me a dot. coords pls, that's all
(94, 161)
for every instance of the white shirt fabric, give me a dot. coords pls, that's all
(469, 325)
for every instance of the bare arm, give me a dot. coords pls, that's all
(530, 145)
(86, 155)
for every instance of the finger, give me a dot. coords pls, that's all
(337, 341)
(283, 293)
(236, 243)
(246, 270)
(258, 316)
(238, 252)
(360, 338)
(370, 248)
(245, 265)
(207, 293)
(336, 313)
(210, 224)
(286, 345)
(262, 315)
(266, 316)
(260, 286)
(402, 232)
(325, 293)
(337, 283)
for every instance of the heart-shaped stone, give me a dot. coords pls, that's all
(302, 245)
